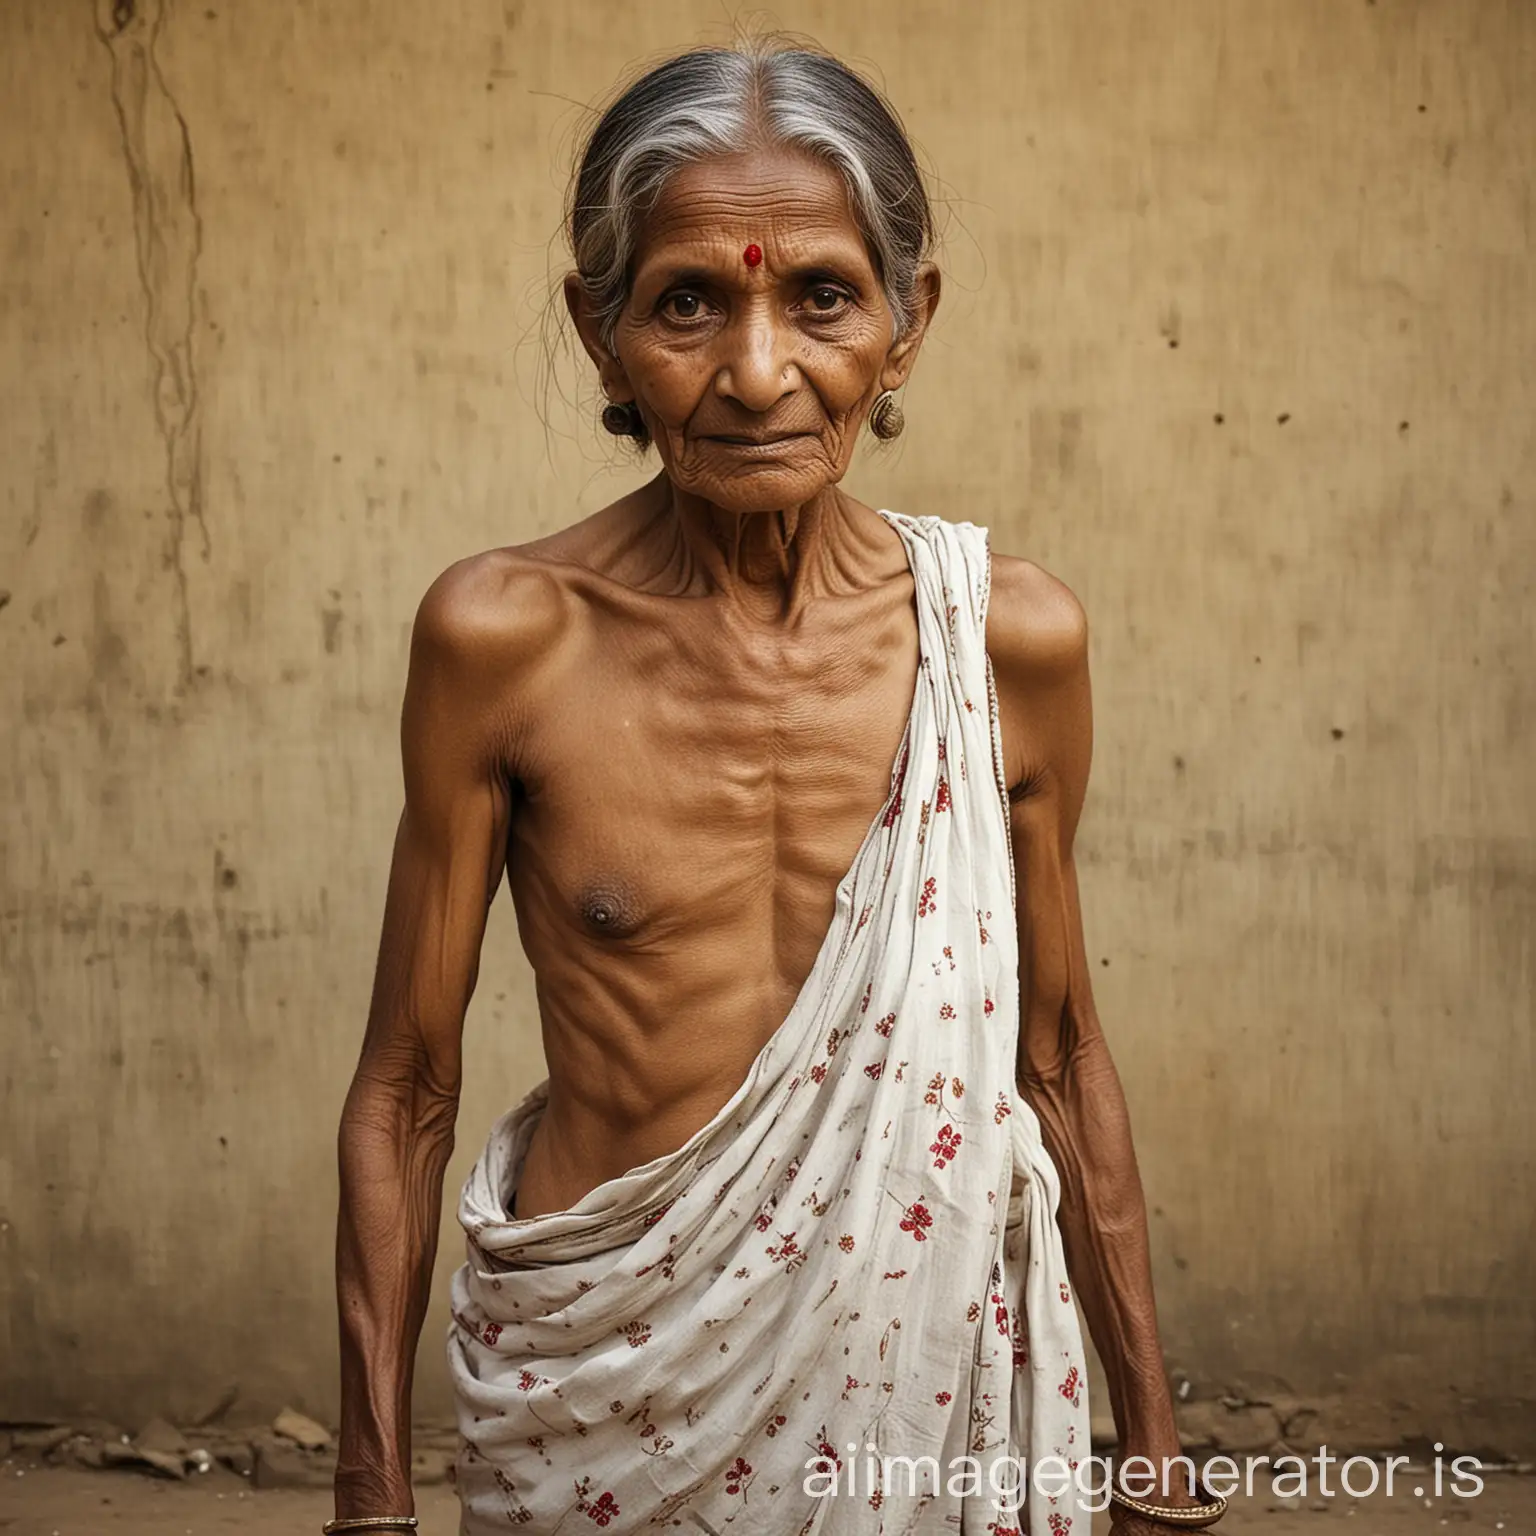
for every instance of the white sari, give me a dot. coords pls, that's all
(856, 1259)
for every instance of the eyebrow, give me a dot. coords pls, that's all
(690, 274)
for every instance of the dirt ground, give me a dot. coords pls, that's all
(65, 1501)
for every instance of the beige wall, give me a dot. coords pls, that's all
(254, 399)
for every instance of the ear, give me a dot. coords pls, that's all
(610, 371)
(903, 354)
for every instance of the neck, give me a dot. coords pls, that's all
(773, 563)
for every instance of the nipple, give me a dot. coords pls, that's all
(608, 910)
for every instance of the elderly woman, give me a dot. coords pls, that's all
(830, 1139)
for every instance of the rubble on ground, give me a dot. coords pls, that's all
(301, 1429)
(293, 1451)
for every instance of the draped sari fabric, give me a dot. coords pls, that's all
(856, 1259)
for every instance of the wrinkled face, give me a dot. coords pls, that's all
(756, 335)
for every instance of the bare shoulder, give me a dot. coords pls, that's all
(1037, 637)
(498, 608)
(1036, 627)
(487, 649)
(514, 604)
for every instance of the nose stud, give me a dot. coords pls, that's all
(753, 255)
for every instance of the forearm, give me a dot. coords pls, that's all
(1103, 1223)
(393, 1147)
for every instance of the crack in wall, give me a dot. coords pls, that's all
(168, 240)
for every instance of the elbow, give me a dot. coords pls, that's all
(390, 1135)
(401, 1093)
(1048, 1043)
(1060, 1044)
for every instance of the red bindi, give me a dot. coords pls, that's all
(753, 255)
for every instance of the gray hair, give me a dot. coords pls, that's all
(723, 101)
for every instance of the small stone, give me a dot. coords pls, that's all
(118, 1455)
(61, 1453)
(1297, 1421)
(239, 1458)
(170, 1465)
(87, 1452)
(1290, 1501)
(1194, 1420)
(41, 1441)
(1318, 1507)
(280, 1464)
(163, 1437)
(100, 1429)
(1249, 1427)
(301, 1429)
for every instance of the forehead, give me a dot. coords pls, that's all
(782, 199)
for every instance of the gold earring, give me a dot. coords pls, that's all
(886, 418)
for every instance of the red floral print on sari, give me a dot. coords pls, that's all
(945, 1147)
(602, 1510)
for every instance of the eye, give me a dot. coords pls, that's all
(682, 306)
(827, 299)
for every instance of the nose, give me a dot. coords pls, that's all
(760, 368)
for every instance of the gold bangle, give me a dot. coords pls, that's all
(1190, 1517)
(370, 1523)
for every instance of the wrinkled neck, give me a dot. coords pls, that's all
(772, 564)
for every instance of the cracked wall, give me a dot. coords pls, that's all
(157, 155)
(1237, 339)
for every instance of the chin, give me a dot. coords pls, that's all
(765, 489)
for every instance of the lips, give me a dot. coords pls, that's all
(743, 440)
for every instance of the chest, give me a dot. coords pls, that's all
(688, 785)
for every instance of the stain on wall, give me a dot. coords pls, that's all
(1237, 339)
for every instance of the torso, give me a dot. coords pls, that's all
(691, 791)
(690, 787)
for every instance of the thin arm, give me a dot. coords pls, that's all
(397, 1128)
(1064, 1067)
